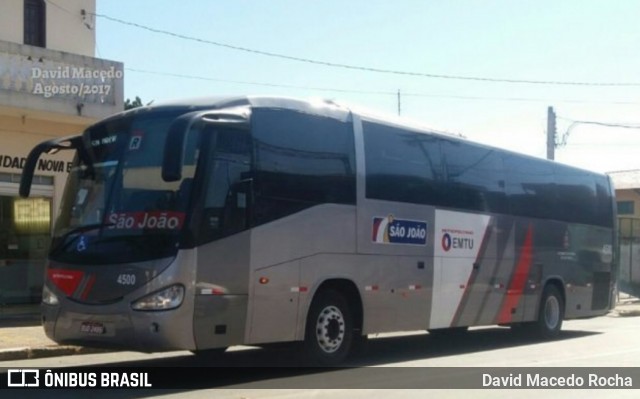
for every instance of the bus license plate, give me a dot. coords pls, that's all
(90, 327)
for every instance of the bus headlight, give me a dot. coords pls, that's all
(48, 297)
(168, 298)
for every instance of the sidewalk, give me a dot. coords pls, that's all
(22, 336)
(628, 306)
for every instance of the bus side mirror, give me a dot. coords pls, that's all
(174, 148)
(28, 171)
(174, 144)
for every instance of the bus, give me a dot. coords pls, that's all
(212, 223)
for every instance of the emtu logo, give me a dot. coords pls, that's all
(458, 240)
(446, 242)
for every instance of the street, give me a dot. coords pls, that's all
(399, 361)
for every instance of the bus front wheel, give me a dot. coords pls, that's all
(329, 329)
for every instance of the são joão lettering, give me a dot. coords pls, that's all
(145, 220)
(407, 232)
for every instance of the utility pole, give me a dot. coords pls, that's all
(551, 133)
(398, 102)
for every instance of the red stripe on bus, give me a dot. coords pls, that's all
(462, 304)
(517, 285)
(66, 280)
(88, 287)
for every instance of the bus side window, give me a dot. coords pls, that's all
(475, 177)
(530, 188)
(301, 160)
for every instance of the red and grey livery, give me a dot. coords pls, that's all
(255, 220)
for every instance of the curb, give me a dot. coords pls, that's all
(24, 353)
(625, 313)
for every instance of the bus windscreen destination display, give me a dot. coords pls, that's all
(146, 220)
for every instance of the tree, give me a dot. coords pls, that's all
(128, 104)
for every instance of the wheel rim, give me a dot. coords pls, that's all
(330, 329)
(552, 312)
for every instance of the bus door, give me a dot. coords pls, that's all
(220, 222)
(463, 251)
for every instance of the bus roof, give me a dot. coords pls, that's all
(322, 107)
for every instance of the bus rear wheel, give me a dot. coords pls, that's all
(329, 329)
(551, 313)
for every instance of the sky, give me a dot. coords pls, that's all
(584, 41)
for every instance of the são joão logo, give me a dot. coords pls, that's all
(389, 230)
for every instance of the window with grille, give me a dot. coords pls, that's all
(34, 23)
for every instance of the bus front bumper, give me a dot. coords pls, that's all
(145, 331)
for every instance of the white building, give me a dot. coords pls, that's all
(50, 86)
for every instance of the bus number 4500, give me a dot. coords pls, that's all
(126, 279)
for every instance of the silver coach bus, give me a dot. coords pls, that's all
(255, 220)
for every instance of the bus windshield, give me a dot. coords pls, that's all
(116, 207)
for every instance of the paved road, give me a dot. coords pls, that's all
(397, 361)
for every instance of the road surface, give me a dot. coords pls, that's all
(391, 361)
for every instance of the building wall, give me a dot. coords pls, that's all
(34, 78)
(70, 34)
(67, 29)
(34, 108)
(629, 252)
(629, 223)
(632, 196)
(11, 21)
(25, 224)
(19, 135)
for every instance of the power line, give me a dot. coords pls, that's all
(357, 67)
(574, 123)
(286, 86)
(374, 92)
(83, 13)
(369, 69)
(607, 124)
(629, 146)
(59, 7)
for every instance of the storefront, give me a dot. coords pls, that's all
(51, 86)
(26, 223)
(24, 238)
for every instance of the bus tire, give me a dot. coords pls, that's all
(551, 313)
(359, 345)
(329, 329)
